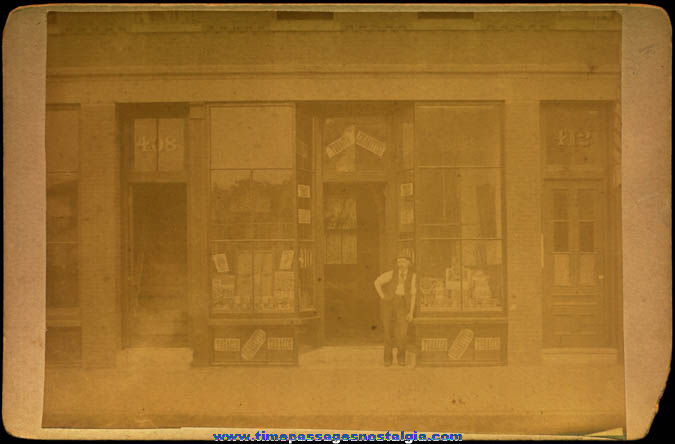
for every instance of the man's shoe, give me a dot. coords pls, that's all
(401, 363)
(387, 363)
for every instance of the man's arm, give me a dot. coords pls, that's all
(383, 279)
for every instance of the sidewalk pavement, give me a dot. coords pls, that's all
(335, 388)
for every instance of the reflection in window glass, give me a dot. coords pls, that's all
(481, 209)
(481, 275)
(439, 273)
(273, 197)
(458, 153)
(435, 207)
(230, 196)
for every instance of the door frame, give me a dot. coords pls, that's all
(126, 113)
(607, 304)
(318, 112)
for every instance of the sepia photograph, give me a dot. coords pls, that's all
(289, 223)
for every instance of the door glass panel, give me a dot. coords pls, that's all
(561, 269)
(587, 271)
(560, 236)
(586, 204)
(586, 236)
(560, 204)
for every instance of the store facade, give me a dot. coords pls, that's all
(234, 183)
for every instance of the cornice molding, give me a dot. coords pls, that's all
(60, 23)
(57, 73)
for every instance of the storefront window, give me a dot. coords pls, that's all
(259, 208)
(251, 137)
(458, 205)
(62, 146)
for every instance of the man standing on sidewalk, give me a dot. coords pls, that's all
(397, 306)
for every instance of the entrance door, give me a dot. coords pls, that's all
(157, 273)
(577, 311)
(353, 226)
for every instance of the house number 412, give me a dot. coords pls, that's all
(568, 138)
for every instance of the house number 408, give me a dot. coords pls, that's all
(167, 143)
(566, 137)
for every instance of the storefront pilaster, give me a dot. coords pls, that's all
(99, 235)
(523, 231)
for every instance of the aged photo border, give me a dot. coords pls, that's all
(646, 205)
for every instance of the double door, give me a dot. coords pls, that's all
(577, 308)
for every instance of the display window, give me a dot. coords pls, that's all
(62, 146)
(458, 205)
(259, 209)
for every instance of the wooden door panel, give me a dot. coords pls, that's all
(576, 307)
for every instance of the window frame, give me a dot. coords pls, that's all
(419, 238)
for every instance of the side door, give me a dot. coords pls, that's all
(576, 310)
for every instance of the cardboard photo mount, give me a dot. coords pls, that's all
(646, 158)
